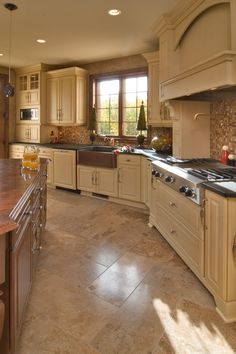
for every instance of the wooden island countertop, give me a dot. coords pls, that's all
(15, 185)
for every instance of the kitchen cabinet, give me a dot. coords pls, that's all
(64, 168)
(97, 180)
(66, 96)
(46, 153)
(157, 114)
(220, 252)
(28, 88)
(30, 215)
(31, 94)
(28, 133)
(16, 151)
(4, 294)
(146, 179)
(129, 177)
(181, 222)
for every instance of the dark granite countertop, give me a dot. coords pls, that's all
(145, 152)
(226, 189)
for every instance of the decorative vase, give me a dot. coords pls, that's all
(92, 137)
(140, 140)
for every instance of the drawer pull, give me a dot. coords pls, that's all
(172, 231)
(1, 293)
(127, 160)
(28, 212)
(172, 204)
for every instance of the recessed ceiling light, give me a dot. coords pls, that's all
(114, 12)
(40, 41)
(1, 54)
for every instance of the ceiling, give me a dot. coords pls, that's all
(78, 31)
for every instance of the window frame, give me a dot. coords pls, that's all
(94, 79)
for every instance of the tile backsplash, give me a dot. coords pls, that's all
(223, 126)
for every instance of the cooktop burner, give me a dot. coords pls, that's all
(214, 174)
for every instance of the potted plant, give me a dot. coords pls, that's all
(141, 125)
(92, 125)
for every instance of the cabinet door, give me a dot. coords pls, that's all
(64, 168)
(145, 181)
(107, 182)
(215, 243)
(21, 279)
(28, 133)
(129, 182)
(86, 178)
(34, 134)
(28, 90)
(67, 100)
(53, 101)
(49, 165)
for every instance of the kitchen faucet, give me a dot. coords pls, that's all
(110, 141)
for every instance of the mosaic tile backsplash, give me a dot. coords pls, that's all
(223, 130)
(223, 127)
(80, 135)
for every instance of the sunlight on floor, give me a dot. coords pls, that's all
(204, 337)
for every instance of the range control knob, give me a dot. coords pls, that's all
(190, 193)
(158, 174)
(153, 172)
(183, 189)
(169, 179)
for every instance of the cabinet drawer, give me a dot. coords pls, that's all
(188, 246)
(128, 159)
(45, 152)
(181, 208)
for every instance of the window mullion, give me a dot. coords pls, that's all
(121, 107)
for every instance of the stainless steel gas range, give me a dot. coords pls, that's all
(187, 176)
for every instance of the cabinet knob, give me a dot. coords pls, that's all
(172, 231)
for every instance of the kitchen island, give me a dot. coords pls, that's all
(23, 196)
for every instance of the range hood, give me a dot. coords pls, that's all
(215, 73)
(197, 48)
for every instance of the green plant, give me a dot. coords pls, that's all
(141, 125)
(92, 120)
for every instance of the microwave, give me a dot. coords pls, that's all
(29, 114)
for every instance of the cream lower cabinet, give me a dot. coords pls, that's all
(146, 179)
(64, 168)
(97, 180)
(16, 151)
(220, 252)
(129, 177)
(181, 222)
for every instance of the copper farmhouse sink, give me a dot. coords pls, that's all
(98, 156)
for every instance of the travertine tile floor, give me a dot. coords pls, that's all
(108, 284)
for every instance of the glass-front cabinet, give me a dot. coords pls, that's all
(28, 88)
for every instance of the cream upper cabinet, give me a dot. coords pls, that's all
(157, 114)
(64, 168)
(66, 96)
(129, 177)
(220, 252)
(98, 180)
(28, 88)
